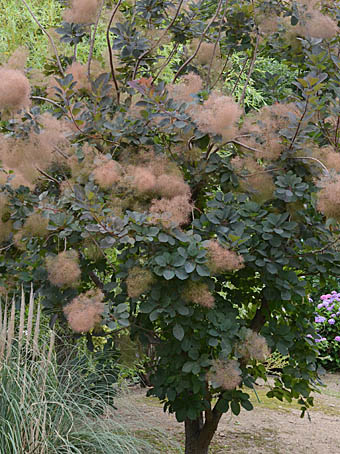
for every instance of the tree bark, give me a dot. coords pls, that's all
(198, 434)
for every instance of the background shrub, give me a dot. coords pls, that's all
(327, 321)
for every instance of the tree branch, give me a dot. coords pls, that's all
(212, 20)
(314, 159)
(251, 68)
(93, 37)
(49, 177)
(217, 41)
(110, 50)
(147, 51)
(48, 36)
(41, 98)
(239, 76)
(299, 124)
(259, 319)
(96, 280)
(222, 71)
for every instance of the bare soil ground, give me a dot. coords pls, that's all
(272, 427)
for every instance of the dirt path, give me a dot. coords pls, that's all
(271, 428)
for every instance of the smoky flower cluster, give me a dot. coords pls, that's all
(184, 91)
(63, 270)
(328, 198)
(225, 374)
(171, 212)
(85, 311)
(155, 185)
(254, 178)
(14, 86)
(328, 156)
(263, 146)
(261, 130)
(219, 114)
(313, 23)
(79, 72)
(139, 281)
(35, 226)
(199, 293)
(30, 155)
(107, 173)
(254, 346)
(82, 11)
(206, 51)
(221, 259)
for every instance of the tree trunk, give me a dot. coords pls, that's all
(198, 435)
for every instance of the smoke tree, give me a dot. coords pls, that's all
(138, 192)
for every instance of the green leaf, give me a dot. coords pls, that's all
(235, 407)
(294, 20)
(181, 414)
(160, 260)
(183, 310)
(154, 315)
(213, 342)
(168, 274)
(181, 274)
(222, 406)
(189, 267)
(163, 237)
(212, 218)
(178, 261)
(196, 369)
(182, 252)
(247, 405)
(272, 268)
(171, 393)
(122, 307)
(146, 307)
(202, 270)
(178, 332)
(282, 348)
(192, 250)
(286, 295)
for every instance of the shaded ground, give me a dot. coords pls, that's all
(271, 428)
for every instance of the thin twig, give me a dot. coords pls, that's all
(243, 145)
(96, 280)
(318, 251)
(92, 40)
(336, 136)
(251, 68)
(47, 176)
(222, 71)
(249, 175)
(147, 51)
(64, 155)
(165, 63)
(41, 98)
(324, 130)
(314, 159)
(110, 50)
(48, 36)
(217, 41)
(239, 76)
(6, 247)
(299, 125)
(212, 20)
